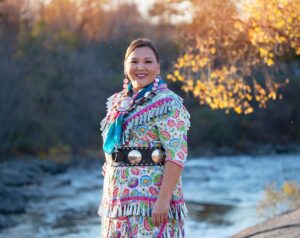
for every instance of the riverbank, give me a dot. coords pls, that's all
(23, 181)
(247, 149)
(60, 199)
(282, 226)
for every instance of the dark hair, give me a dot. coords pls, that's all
(138, 43)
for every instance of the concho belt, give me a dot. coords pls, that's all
(138, 156)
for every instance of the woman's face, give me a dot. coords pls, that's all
(141, 67)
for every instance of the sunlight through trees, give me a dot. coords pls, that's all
(232, 53)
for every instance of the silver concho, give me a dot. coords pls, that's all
(158, 155)
(125, 104)
(134, 156)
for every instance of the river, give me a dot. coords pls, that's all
(221, 193)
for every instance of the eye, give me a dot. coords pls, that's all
(133, 61)
(148, 61)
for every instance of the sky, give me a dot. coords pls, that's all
(143, 6)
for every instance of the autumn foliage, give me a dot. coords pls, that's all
(231, 53)
(61, 59)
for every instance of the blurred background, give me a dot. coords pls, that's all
(235, 63)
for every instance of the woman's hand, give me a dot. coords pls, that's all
(160, 211)
(161, 207)
(104, 169)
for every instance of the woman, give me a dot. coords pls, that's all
(145, 144)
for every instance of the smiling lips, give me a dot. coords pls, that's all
(141, 75)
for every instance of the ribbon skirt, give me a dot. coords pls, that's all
(140, 227)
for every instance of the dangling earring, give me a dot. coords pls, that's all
(125, 85)
(156, 81)
(125, 102)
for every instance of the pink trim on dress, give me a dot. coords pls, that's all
(175, 162)
(115, 200)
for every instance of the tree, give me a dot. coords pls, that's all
(231, 55)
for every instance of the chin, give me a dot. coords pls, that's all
(140, 84)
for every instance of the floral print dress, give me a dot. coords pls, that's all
(129, 193)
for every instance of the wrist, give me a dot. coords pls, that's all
(164, 198)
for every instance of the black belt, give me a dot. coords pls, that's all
(139, 156)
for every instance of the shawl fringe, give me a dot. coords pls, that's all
(105, 120)
(151, 111)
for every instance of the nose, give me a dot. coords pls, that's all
(140, 65)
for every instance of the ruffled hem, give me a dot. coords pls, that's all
(140, 227)
(140, 206)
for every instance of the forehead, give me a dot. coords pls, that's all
(142, 52)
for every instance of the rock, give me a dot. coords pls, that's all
(16, 178)
(6, 222)
(53, 168)
(12, 200)
(20, 180)
(283, 226)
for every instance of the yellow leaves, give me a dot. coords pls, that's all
(280, 24)
(217, 65)
(223, 104)
(288, 196)
(176, 76)
(268, 57)
(290, 188)
(257, 29)
(221, 93)
(248, 97)
(208, 100)
(249, 110)
(239, 26)
(238, 110)
(186, 57)
(180, 78)
(171, 77)
(270, 62)
(213, 75)
(273, 23)
(263, 52)
(213, 50)
(272, 95)
(211, 41)
(180, 63)
(190, 82)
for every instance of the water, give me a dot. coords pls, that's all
(238, 184)
(222, 194)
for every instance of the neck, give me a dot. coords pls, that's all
(136, 89)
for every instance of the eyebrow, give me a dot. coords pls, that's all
(145, 58)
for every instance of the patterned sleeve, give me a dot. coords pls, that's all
(172, 132)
